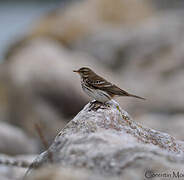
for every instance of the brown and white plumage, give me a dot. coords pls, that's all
(98, 88)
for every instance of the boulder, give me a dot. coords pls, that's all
(14, 140)
(104, 140)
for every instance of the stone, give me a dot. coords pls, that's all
(56, 173)
(14, 141)
(11, 167)
(107, 142)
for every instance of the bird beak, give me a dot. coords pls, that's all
(76, 71)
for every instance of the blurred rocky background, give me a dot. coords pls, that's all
(137, 44)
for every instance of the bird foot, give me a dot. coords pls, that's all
(95, 105)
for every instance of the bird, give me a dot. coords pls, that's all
(99, 88)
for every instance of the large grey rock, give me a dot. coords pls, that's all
(106, 141)
(13, 141)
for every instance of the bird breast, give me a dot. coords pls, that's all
(96, 94)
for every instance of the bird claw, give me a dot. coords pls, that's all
(95, 105)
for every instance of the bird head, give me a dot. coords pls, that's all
(84, 72)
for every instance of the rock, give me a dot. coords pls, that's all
(56, 173)
(133, 172)
(14, 141)
(172, 124)
(10, 172)
(107, 142)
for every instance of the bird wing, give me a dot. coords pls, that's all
(98, 82)
(102, 84)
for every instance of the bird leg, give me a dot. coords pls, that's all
(95, 105)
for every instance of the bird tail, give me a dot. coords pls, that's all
(136, 96)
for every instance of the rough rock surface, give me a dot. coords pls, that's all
(58, 173)
(106, 141)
